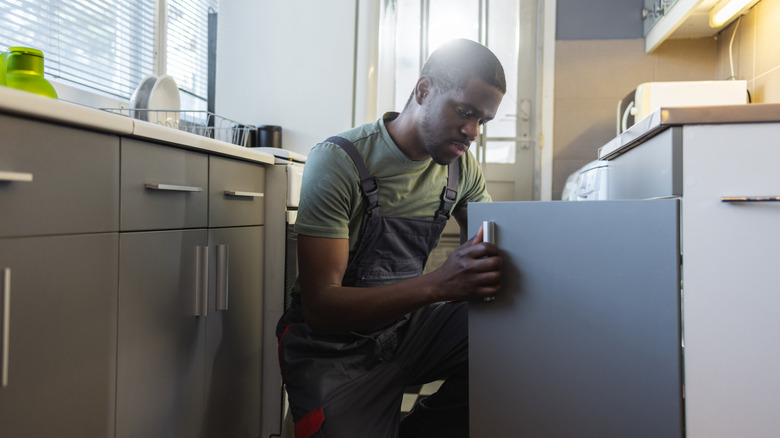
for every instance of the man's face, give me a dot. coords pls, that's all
(451, 119)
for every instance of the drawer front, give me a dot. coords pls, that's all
(56, 180)
(162, 187)
(237, 193)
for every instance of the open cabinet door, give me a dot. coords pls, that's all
(585, 338)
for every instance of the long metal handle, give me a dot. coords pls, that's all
(201, 280)
(750, 199)
(15, 176)
(6, 326)
(173, 187)
(245, 194)
(223, 267)
(489, 236)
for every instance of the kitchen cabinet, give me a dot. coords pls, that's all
(59, 251)
(131, 278)
(665, 19)
(732, 305)
(190, 288)
(584, 338)
(721, 162)
(234, 326)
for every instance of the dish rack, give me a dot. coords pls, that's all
(204, 123)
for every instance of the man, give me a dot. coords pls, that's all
(374, 201)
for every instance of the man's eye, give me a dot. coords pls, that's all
(463, 113)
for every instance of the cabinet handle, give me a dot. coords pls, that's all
(6, 325)
(489, 236)
(750, 199)
(6, 176)
(223, 258)
(245, 194)
(201, 280)
(173, 187)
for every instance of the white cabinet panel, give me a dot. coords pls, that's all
(731, 289)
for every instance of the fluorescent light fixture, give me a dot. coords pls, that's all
(726, 9)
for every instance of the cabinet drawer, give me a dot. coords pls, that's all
(162, 187)
(237, 192)
(56, 180)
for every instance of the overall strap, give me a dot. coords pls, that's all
(450, 193)
(368, 185)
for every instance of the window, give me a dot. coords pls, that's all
(109, 46)
(411, 29)
(423, 25)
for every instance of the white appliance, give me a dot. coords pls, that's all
(588, 183)
(651, 96)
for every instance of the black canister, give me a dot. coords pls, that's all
(269, 136)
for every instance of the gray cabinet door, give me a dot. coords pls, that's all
(234, 329)
(61, 327)
(161, 343)
(584, 340)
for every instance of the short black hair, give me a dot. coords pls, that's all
(456, 62)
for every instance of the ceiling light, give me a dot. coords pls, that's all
(726, 9)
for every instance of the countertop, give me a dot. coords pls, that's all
(21, 103)
(663, 118)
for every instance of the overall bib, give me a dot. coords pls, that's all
(351, 384)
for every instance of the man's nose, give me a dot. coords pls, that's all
(470, 130)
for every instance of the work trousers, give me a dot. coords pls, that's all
(351, 385)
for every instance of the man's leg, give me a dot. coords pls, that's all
(436, 347)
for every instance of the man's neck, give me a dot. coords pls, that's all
(403, 131)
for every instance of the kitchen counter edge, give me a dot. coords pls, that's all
(21, 103)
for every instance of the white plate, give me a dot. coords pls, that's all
(140, 98)
(164, 100)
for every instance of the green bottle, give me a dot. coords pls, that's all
(22, 68)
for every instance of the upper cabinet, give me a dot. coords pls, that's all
(666, 19)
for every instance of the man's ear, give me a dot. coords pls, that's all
(422, 89)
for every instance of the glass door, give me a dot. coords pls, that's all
(412, 29)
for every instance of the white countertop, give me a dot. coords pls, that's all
(15, 102)
(663, 118)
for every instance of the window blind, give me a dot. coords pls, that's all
(187, 44)
(109, 45)
(106, 45)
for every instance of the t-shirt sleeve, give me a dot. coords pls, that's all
(328, 192)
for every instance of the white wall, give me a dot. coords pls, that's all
(287, 63)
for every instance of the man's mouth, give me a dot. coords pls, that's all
(458, 148)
